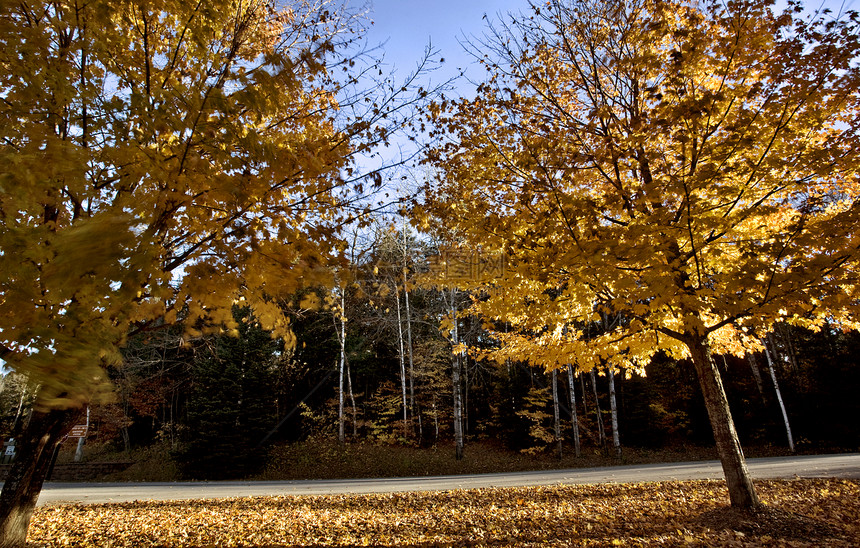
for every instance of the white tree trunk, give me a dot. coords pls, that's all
(402, 357)
(341, 335)
(408, 328)
(778, 392)
(573, 418)
(455, 378)
(616, 439)
(601, 430)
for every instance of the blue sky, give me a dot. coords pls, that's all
(410, 25)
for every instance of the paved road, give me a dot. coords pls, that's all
(842, 466)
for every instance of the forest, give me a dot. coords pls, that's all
(219, 401)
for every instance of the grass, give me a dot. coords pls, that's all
(327, 459)
(799, 513)
(324, 459)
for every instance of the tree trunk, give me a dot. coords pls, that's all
(402, 357)
(601, 430)
(410, 354)
(741, 491)
(756, 373)
(584, 394)
(556, 418)
(778, 392)
(341, 431)
(464, 393)
(352, 402)
(573, 417)
(455, 380)
(408, 329)
(616, 439)
(40, 438)
(785, 335)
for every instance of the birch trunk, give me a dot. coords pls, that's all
(778, 391)
(341, 335)
(402, 358)
(616, 439)
(409, 330)
(601, 430)
(573, 418)
(455, 378)
(785, 335)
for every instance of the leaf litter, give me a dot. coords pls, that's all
(797, 513)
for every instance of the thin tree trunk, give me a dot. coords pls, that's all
(455, 378)
(741, 490)
(402, 357)
(408, 329)
(584, 394)
(573, 417)
(555, 411)
(435, 420)
(601, 430)
(341, 335)
(616, 439)
(464, 361)
(785, 335)
(756, 373)
(39, 440)
(778, 392)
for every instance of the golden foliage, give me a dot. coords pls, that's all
(159, 160)
(690, 169)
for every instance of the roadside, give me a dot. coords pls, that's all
(846, 466)
(326, 459)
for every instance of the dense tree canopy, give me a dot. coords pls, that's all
(159, 159)
(688, 168)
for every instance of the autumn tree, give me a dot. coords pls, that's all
(690, 167)
(162, 161)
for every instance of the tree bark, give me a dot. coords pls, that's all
(455, 381)
(741, 490)
(601, 430)
(616, 439)
(40, 438)
(778, 391)
(402, 358)
(341, 431)
(756, 373)
(574, 419)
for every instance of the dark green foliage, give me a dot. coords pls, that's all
(231, 405)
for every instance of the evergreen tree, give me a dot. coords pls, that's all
(231, 405)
